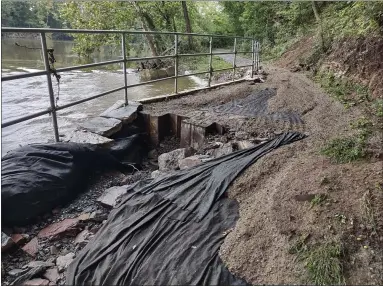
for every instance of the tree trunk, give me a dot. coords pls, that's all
(187, 23)
(149, 37)
(318, 19)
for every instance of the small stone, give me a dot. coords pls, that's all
(67, 226)
(32, 247)
(52, 274)
(36, 282)
(153, 154)
(84, 217)
(63, 262)
(17, 272)
(34, 264)
(6, 242)
(53, 250)
(111, 196)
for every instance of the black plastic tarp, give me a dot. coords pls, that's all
(36, 178)
(168, 231)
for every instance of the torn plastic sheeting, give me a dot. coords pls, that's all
(36, 178)
(168, 231)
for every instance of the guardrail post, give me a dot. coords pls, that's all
(210, 60)
(50, 88)
(235, 56)
(257, 56)
(124, 67)
(252, 57)
(175, 63)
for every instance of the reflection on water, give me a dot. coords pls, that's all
(30, 95)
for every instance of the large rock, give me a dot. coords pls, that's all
(34, 264)
(170, 160)
(6, 242)
(20, 239)
(87, 137)
(83, 237)
(63, 262)
(102, 126)
(224, 150)
(244, 144)
(67, 226)
(126, 114)
(111, 196)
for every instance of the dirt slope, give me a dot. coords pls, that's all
(272, 218)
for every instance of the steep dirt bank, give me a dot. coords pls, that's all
(359, 59)
(274, 197)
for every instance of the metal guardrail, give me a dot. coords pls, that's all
(53, 108)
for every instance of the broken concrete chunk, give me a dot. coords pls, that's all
(36, 282)
(87, 137)
(6, 242)
(52, 274)
(169, 161)
(63, 262)
(126, 114)
(32, 247)
(111, 196)
(102, 126)
(84, 216)
(34, 264)
(65, 227)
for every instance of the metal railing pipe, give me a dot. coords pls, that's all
(210, 60)
(50, 88)
(124, 67)
(25, 118)
(175, 63)
(22, 76)
(252, 58)
(86, 66)
(235, 57)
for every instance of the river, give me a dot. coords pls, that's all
(30, 95)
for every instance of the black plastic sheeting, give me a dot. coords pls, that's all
(168, 231)
(36, 178)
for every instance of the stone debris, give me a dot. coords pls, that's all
(84, 217)
(244, 144)
(20, 239)
(111, 196)
(17, 272)
(52, 274)
(223, 150)
(36, 282)
(193, 161)
(63, 262)
(34, 264)
(30, 274)
(83, 237)
(169, 161)
(102, 126)
(32, 247)
(6, 242)
(53, 250)
(65, 227)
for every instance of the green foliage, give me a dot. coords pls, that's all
(322, 261)
(378, 107)
(344, 150)
(318, 199)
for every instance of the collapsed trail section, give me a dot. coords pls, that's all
(168, 231)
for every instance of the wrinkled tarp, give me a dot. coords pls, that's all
(168, 231)
(256, 105)
(38, 177)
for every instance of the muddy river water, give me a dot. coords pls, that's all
(30, 95)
